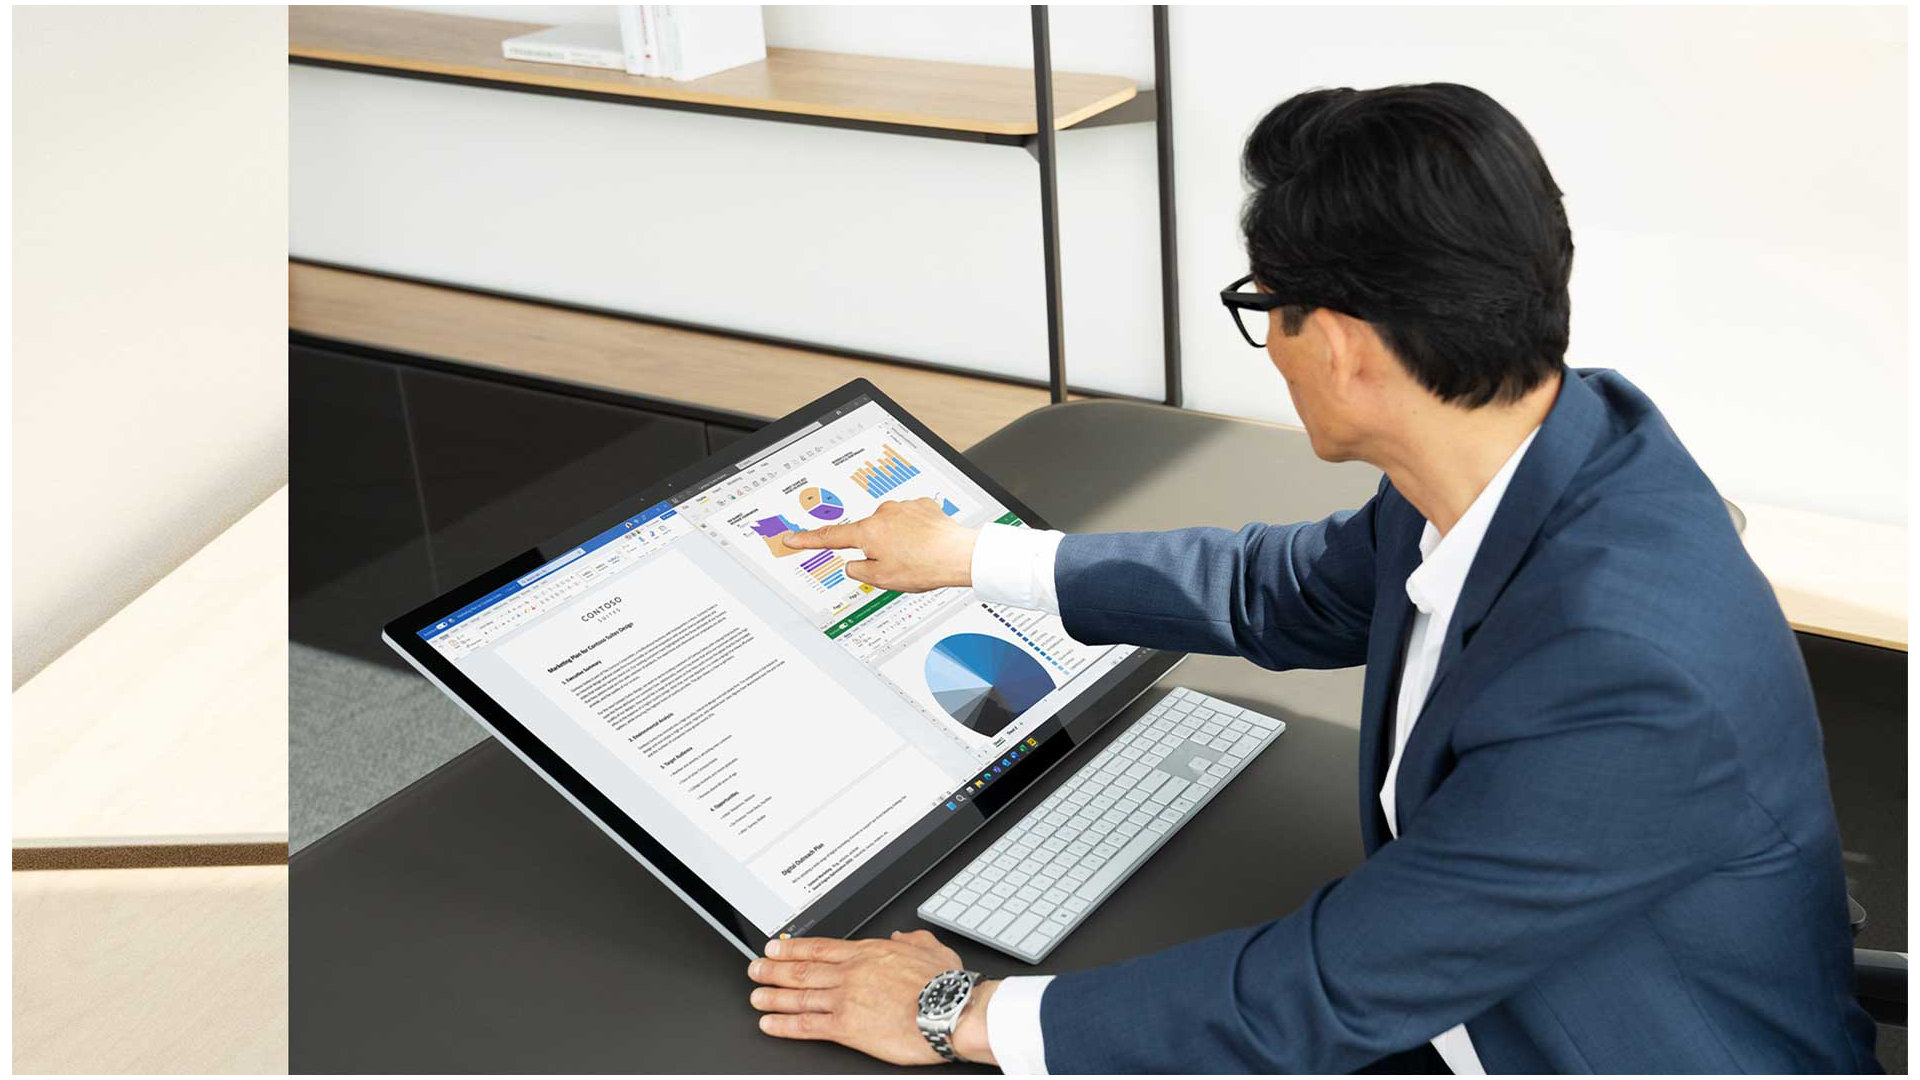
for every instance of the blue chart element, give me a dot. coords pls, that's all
(947, 507)
(821, 503)
(983, 681)
(889, 472)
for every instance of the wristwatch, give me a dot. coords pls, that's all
(941, 1003)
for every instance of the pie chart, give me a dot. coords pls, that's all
(983, 681)
(821, 503)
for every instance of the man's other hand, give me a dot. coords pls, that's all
(910, 546)
(864, 995)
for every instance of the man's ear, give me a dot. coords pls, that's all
(1344, 343)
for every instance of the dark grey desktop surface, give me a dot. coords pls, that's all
(475, 922)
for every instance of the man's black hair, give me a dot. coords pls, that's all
(1425, 210)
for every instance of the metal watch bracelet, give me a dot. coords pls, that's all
(942, 1001)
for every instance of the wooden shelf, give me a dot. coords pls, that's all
(995, 102)
(700, 370)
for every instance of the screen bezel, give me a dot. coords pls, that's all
(1074, 724)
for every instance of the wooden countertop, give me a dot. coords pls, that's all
(167, 725)
(150, 971)
(876, 89)
(1836, 577)
(702, 370)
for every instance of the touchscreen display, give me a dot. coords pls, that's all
(768, 719)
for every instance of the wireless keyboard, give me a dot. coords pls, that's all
(1028, 891)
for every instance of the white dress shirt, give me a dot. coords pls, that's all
(1015, 566)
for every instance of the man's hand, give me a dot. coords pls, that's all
(910, 546)
(864, 994)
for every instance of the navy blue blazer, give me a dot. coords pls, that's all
(1618, 850)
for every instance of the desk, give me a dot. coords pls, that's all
(475, 922)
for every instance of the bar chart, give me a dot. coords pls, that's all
(825, 568)
(882, 476)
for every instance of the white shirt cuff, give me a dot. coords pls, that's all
(1014, 566)
(1013, 1025)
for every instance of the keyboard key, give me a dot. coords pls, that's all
(1246, 745)
(1182, 805)
(1150, 782)
(1168, 790)
(1037, 941)
(973, 918)
(951, 910)
(1077, 904)
(1208, 780)
(967, 896)
(1022, 926)
(1093, 887)
(1054, 896)
(995, 923)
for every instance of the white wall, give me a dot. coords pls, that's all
(149, 299)
(1735, 178)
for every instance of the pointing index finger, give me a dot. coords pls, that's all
(826, 536)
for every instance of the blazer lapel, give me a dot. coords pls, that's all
(1386, 652)
(1566, 438)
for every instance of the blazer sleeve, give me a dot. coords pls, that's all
(1283, 596)
(1594, 778)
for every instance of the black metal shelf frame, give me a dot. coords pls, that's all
(1154, 106)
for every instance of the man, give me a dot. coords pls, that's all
(1594, 805)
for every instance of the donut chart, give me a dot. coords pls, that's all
(821, 503)
(984, 682)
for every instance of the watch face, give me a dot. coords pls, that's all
(943, 994)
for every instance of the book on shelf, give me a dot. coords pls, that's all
(589, 45)
(690, 41)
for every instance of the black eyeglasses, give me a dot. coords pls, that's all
(1249, 309)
